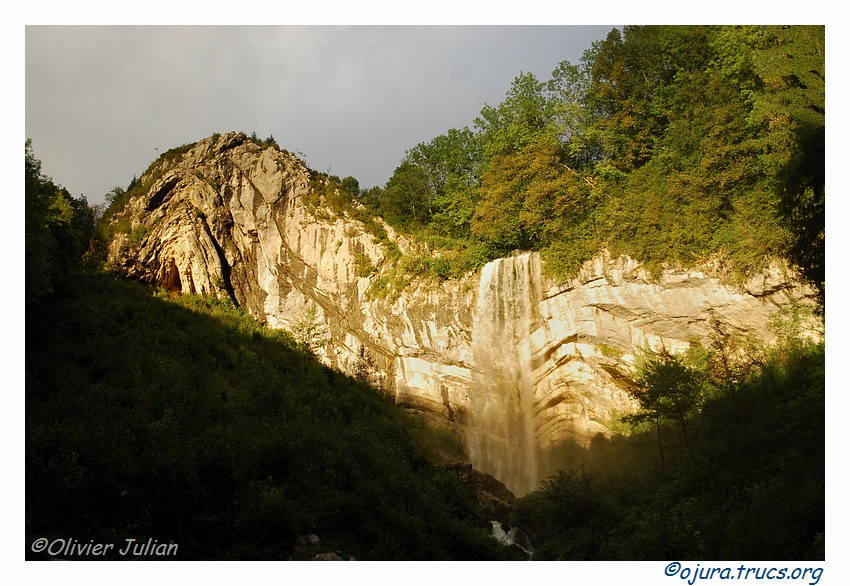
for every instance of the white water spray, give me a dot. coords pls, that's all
(502, 441)
(513, 536)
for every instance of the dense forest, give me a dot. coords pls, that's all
(668, 143)
(180, 417)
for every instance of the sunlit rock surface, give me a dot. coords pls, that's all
(230, 218)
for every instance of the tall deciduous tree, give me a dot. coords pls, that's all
(351, 186)
(666, 390)
(57, 230)
(526, 114)
(529, 198)
(633, 75)
(452, 162)
(570, 87)
(407, 198)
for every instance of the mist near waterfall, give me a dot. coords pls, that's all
(502, 439)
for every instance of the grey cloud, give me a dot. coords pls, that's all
(100, 100)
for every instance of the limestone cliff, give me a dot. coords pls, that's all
(232, 218)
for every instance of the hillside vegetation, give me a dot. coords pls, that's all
(668, 143)
(183, 419)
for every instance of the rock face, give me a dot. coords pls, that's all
(551, 360)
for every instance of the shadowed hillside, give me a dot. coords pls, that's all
(182, 419)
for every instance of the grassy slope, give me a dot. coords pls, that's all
(183, 419)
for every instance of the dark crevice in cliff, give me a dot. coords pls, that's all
(226, 269)
(552, 348)
(444, 395)
(622, 380)
(158, 197)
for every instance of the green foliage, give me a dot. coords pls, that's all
(451, 163)
(112, 221)
(269, 142)
(791, 114)
(634, 79)
(363, 266)
(418, 268)
(610, 351)
(407, 197)
(666, 389)
(380, 288)
(310, 329)
(521, 120)
(183, 419)
(530, 199)
(395, 279)
(670, 144)
(351, 186)
(326, 194)
(569, 507)
(58, 228)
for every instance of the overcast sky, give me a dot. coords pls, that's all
(101, 100)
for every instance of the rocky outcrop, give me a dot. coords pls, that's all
(594, 327)
(232, 218)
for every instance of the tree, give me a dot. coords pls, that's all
(527, 113)
(351, 186)
(570, 87)
(407, 198)
(38, 238)
(633, 76)
(531, 199)
(666, 390)
(505, 186)
(57, 230)
(452, 163)
(310, 329)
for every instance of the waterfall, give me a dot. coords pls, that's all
(513, 536)
(502, 439)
